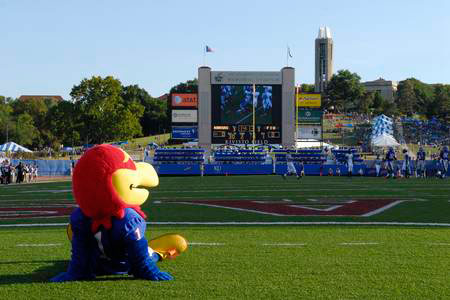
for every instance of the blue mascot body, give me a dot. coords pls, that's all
(108, 229)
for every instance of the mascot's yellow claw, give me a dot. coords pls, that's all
(168, 246)
(69, 232)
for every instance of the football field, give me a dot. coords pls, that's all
(250, 237)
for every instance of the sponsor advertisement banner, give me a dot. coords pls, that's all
(309, 100)
(184, 100)
(219, 77)
(309, 132)
(185, 132)
(309, 116)
(184, 116)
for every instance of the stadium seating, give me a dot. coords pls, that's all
(431, 132)
(241, 156)
(178, 156)
(307, 156)
(341, 158)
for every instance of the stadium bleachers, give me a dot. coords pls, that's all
(341, 158)
(307, 156)
(241, 156)
(178, 156)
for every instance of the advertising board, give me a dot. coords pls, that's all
(184, 100)
(309, 116)
(309, 100)
(184, 132)
(309, 132)
(184, 116)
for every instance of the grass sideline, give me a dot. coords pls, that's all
(283, 261)
(249, 262)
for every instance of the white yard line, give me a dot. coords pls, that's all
(440, 244)
(205, 244)
(285, 244)
(38, 245)
(359, 243)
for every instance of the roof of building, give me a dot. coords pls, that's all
(41, 97)
(324, 33)
(381, 82)
(164, 97)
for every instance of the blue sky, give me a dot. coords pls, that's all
(47, 47)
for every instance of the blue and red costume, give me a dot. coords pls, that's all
(123, 249)
(108, 228)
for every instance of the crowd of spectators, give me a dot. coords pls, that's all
(432, 132)
(19, 173)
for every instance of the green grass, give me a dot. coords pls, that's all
(424, 200)
(253, 262)
(249, 262)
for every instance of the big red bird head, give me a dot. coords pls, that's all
(106, 181)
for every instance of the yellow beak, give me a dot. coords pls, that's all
(131, 184)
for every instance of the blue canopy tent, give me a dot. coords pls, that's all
(13, 147)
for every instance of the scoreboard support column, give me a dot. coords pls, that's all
(287, 107)
(204, 107)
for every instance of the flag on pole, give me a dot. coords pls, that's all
(208, 49)
(289, 51)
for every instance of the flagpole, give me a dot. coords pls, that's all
(287, 56)
(204, 55)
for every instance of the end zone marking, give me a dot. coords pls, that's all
(377, 211)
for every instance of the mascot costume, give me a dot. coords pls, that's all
(107, 231)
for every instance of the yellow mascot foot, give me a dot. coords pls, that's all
(168, 246)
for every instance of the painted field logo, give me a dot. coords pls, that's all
(355, 207)
(36, 211)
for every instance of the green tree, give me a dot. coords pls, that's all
(103, 113)
(388, 108)
(364, 103)
(190, 86)
(307, 88)
(343, 91)
(24, 131)
(155, 117)
(406, 98)
(63, 120)
(440, 106)
(5, 120)
(377, 102)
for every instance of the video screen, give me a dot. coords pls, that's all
(235, 104)
(232, 109)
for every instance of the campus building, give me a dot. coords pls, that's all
(324, 59)
(386, 88)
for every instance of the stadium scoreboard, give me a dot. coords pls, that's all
(245, 113)
(243, 134)
(246, 107)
